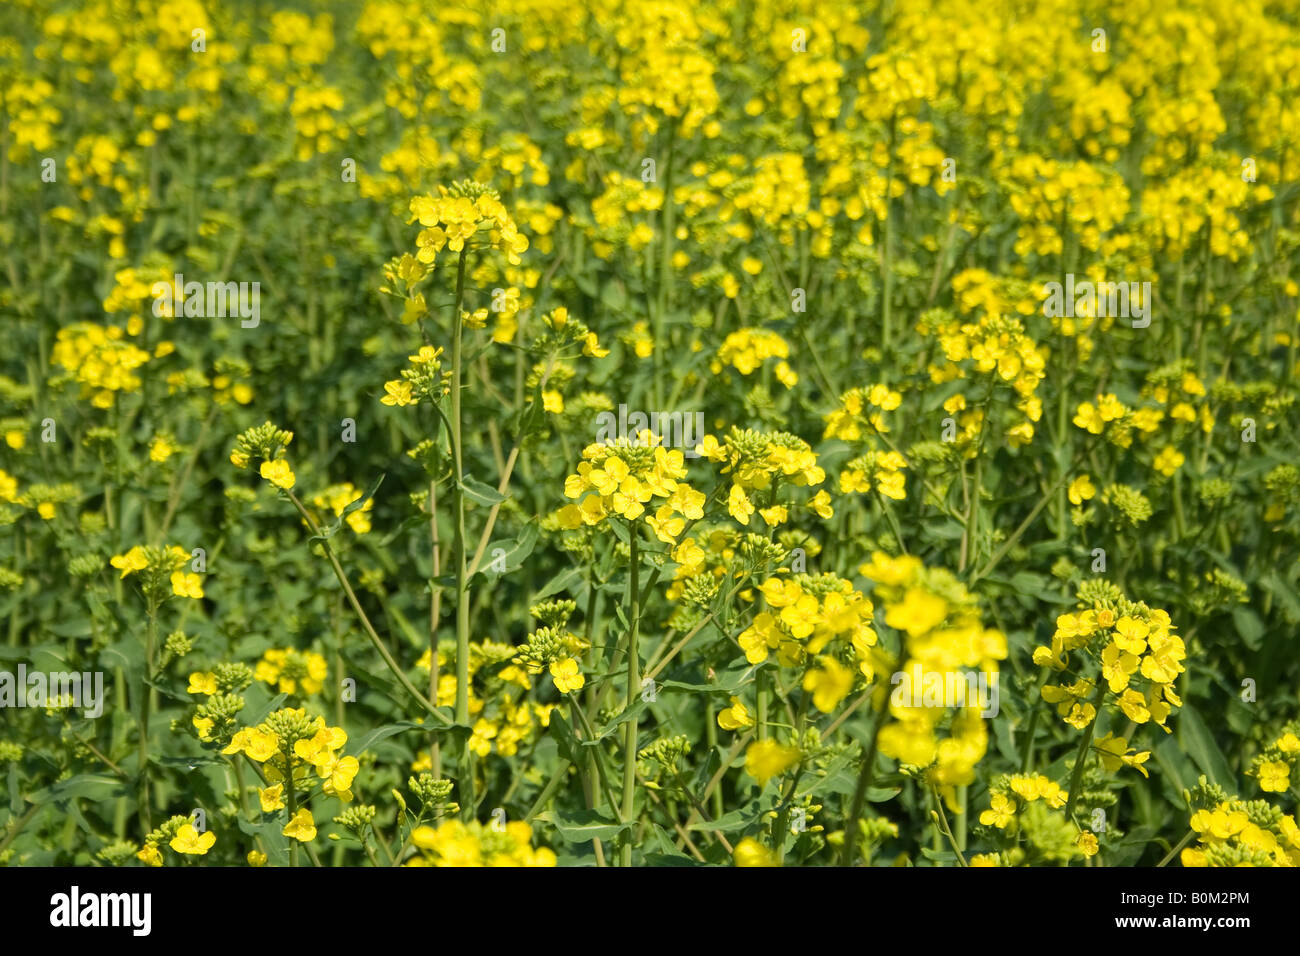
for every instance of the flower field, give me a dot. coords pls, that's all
(601, 433)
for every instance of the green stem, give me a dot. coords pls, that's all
(1081, 759)
(633, 689)
(860, 791)
(369, 628)
(458, 549)
(142, 765)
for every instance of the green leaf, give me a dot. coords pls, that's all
(94, 786)
(1284, 592)
(532, 417)
(513, 552)
(260, 715)
(274, 841)
(358, 745)
(1198, 743)
(478, 492)
(1249, 626)
(737, 821)
(582, 826)
(634, 711)
(334, 528)
(561, 582)
(566, 741)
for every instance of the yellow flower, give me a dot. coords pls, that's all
(1081, 490)
(765, 759)
(1168, 461)
(1089, 418)
(338, 774)
(1274, 776)
(1114, 754)
(830, 683)
(1002, 810)
(160, 449)
(1086, 841)
(301, 828)
(918, 613)
(278, 473)
(566, 675)
(735, 716)
(202, 682)
(150, 854)
(749, 852)
(821, 504)
(739, 506)
(189, 840)
(271, 798)
(187, 584)
(256, 858)
(258, 744)
(134, 560)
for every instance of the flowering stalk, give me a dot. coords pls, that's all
(1076, 778)
(633, 687)
(435, 612)
(860, 791)
(458, 545)
(146, 692)
(369, 628)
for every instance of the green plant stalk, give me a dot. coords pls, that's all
(633, 689)
(292, 802)
(887, 259)
(369, 628)
(860, 791)
(435, 612)
(17, 826)
(1187, 838)
(1027, 764)
(458, 550)
(151, 636)
(940, 819)
(665, 265)
(1076, 778)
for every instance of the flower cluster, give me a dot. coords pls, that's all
(454, 843)
(941, 634)
(268, 443)
(162, 572)
(1131, 651)
(458, 215)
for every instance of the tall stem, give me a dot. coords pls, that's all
(369, 628)
(142, 767)
(860, 791)
(458, 547)
(435, 612)
(1076, 778)
(633, 689)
